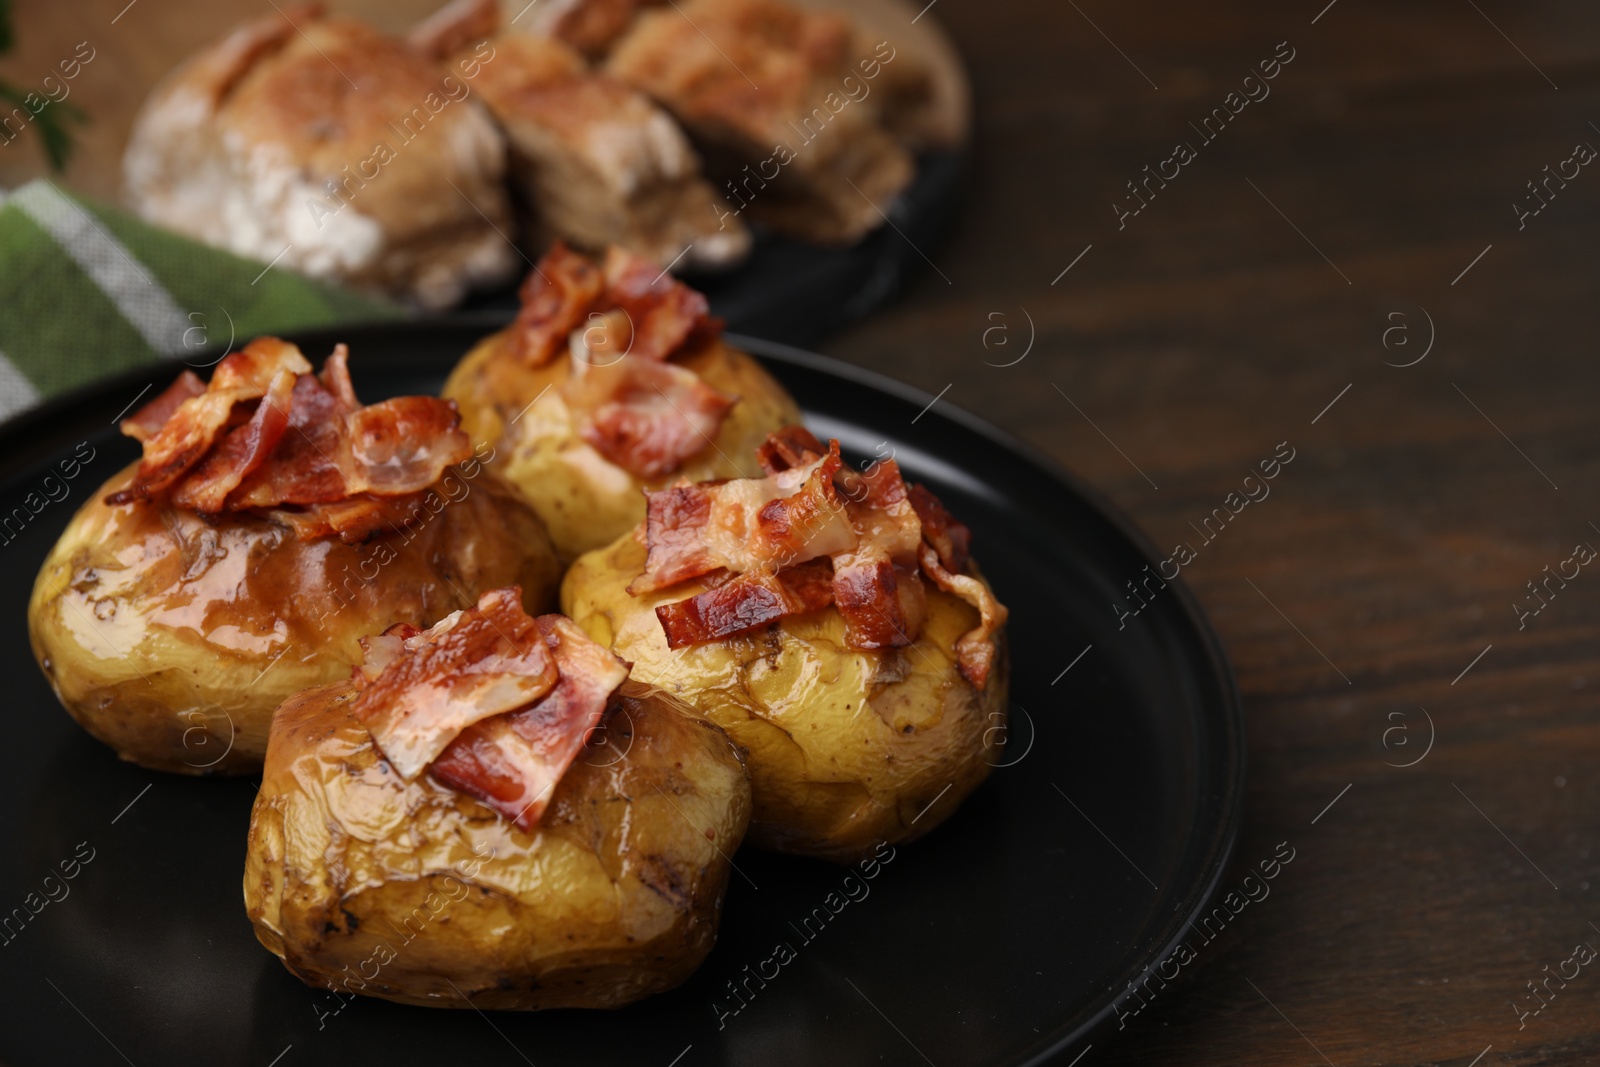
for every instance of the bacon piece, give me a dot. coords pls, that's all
(913, 597)
(308, 466)
(352, 520)
(745, 525)
(884, 515)
(874, 531)
(643, 416)
(747, 602)
(662, 315)
(334, 452)
(194, 425)
(335, 378)
(810, 522)
(676, 519)
(606, 339)
(555, 298)
(868, 599)
(241, 451)
(868, 595)
(383, 649)
(639, 413)
(809, 584)
(148, 420)
(876, 587)
(475, 663)
(949, 537)
(976, 651)
(266, 435)
(791, 446)
(513, 762)
(665, 313)
(404, 445)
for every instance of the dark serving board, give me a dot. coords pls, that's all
(1005, 937)
(799, 293)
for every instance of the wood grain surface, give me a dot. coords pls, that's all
(1369, 604)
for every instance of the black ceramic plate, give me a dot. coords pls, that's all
(1003, 938)
(799, 293)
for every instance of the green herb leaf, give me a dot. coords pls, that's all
(52, 122)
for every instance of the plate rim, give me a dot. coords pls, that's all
(22, 450)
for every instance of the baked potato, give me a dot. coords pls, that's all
(171, 635)
(519, 395)
(364, 882)
(847, 746)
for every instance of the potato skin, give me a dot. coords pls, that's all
(172, 639)
(363, 883)
(585, 500)
(846, 748)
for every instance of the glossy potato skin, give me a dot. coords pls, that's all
(363, 883)
(841, 755)
(585, 500)
(172, 639)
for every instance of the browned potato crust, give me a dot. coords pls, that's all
(846, 748)
(362, 883)
(172, 638)
(585, 500)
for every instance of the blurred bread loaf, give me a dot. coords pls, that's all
(326, 147)
(596, 162)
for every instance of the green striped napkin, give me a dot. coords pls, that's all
(86, 290)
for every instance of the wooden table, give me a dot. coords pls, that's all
(1357, 219)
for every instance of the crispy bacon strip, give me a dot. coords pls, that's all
(882, 603)
(473, 664)
(404, 445)
(562, 289)
(662, 315)
(309, 464)
(746, 603)
(383, 649)
(335, 378)
(606, 339)
(884, 514)
(743, 534)
(745, 525)
(335, 449)
(949, 537)
(976, 651)
(242, 450)
(644, 416)
(148, 420)
(512, 762)
(812, 521)
(676, 519)
(876, 588)
(269, 436)
(665, 314)
(621, 322)
(194, 425)
(791, 446)
(352, 520)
